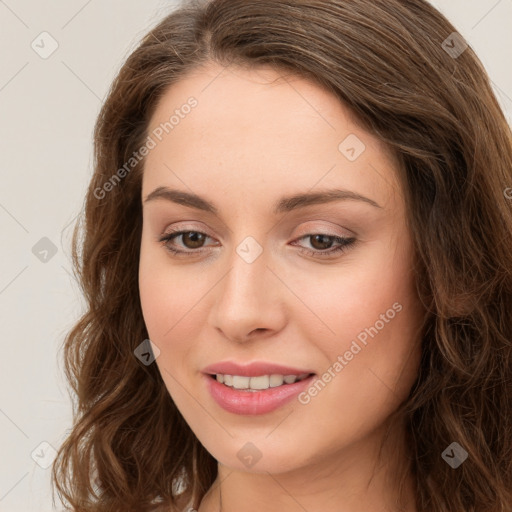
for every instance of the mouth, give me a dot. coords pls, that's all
(257, 394)
(258, 382)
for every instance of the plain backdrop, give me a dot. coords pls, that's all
(48, 107)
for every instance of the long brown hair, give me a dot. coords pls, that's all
(410, 81)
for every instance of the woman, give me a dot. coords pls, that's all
(305, 206)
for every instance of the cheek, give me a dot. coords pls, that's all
(379, 354)
(370, 298)
(165, 291)
(375, 314)
(174, 303)
(155, 302)
(164, 307)
(163, 297)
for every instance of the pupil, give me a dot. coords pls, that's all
(328, 241)
(196, 238)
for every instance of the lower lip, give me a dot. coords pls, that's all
(254, 402)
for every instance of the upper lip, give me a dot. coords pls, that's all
(253, 369)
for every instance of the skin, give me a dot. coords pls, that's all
(255, 136)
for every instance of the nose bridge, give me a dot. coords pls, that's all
(246, 284)
(247, 298)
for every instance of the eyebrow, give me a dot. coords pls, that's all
(283, 205)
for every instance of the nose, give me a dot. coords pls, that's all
(248, 301)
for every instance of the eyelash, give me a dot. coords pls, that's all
(346, 243)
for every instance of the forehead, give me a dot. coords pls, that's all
(255, 127)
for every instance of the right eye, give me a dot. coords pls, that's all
(191, 240)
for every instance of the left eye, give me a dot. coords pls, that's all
(322, 240)
(194, 240)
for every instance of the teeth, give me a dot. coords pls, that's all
(262, 382)
(258, 383)
(240, 382)
(276, 380)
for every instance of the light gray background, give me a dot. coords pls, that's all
(47, 112)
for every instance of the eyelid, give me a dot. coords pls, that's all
(304, 231)
(187, 227)
(344, 243)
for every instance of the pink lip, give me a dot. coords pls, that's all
(253, 369)
(253, 402)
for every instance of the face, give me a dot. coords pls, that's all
(274, 243)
